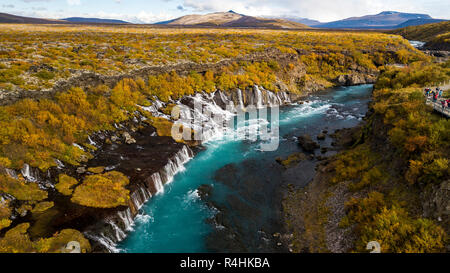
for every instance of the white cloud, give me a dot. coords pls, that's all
(74, 2)
(30, 1)
(141, 17)
(153, 11)
(324, 10)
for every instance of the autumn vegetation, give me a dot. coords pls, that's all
(36, 57)
(42, 132)
(103, 190)
(65, 184)
(16, 240)
(414, 158)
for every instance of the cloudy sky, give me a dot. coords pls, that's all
(150, 11)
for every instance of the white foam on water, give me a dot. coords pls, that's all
(191, 196)
(143, 219)
(306, 110)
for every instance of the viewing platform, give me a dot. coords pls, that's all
(437, 105)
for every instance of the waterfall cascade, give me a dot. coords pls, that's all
(11, 173)
(28, 174)
(218, 108)
(219, 103)
(116, 226)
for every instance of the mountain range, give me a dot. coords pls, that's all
(419, 22)
(94, 20)
(301, 20)
(383, 20)
(9, 18)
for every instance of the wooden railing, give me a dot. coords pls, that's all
(437, 105)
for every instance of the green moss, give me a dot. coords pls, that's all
(66, 184)
(103, 191)
(45, 75)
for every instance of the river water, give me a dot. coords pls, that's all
(245, 183)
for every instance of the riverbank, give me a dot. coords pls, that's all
(387, 184)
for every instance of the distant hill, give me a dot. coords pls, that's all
(305, 21)
(436, 35)
(232, 19)
(418, 22)
(94, 20)
(383, 20)
(9, 18)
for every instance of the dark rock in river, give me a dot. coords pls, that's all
(204, 191)
(321, 136)
(345, 137)
(307, 143)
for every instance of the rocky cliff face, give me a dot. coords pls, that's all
(357, 75)
(88, 80)
(355, 79)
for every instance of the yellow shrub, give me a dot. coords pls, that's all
(103, 191)
(21, 189)
(65, 184)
